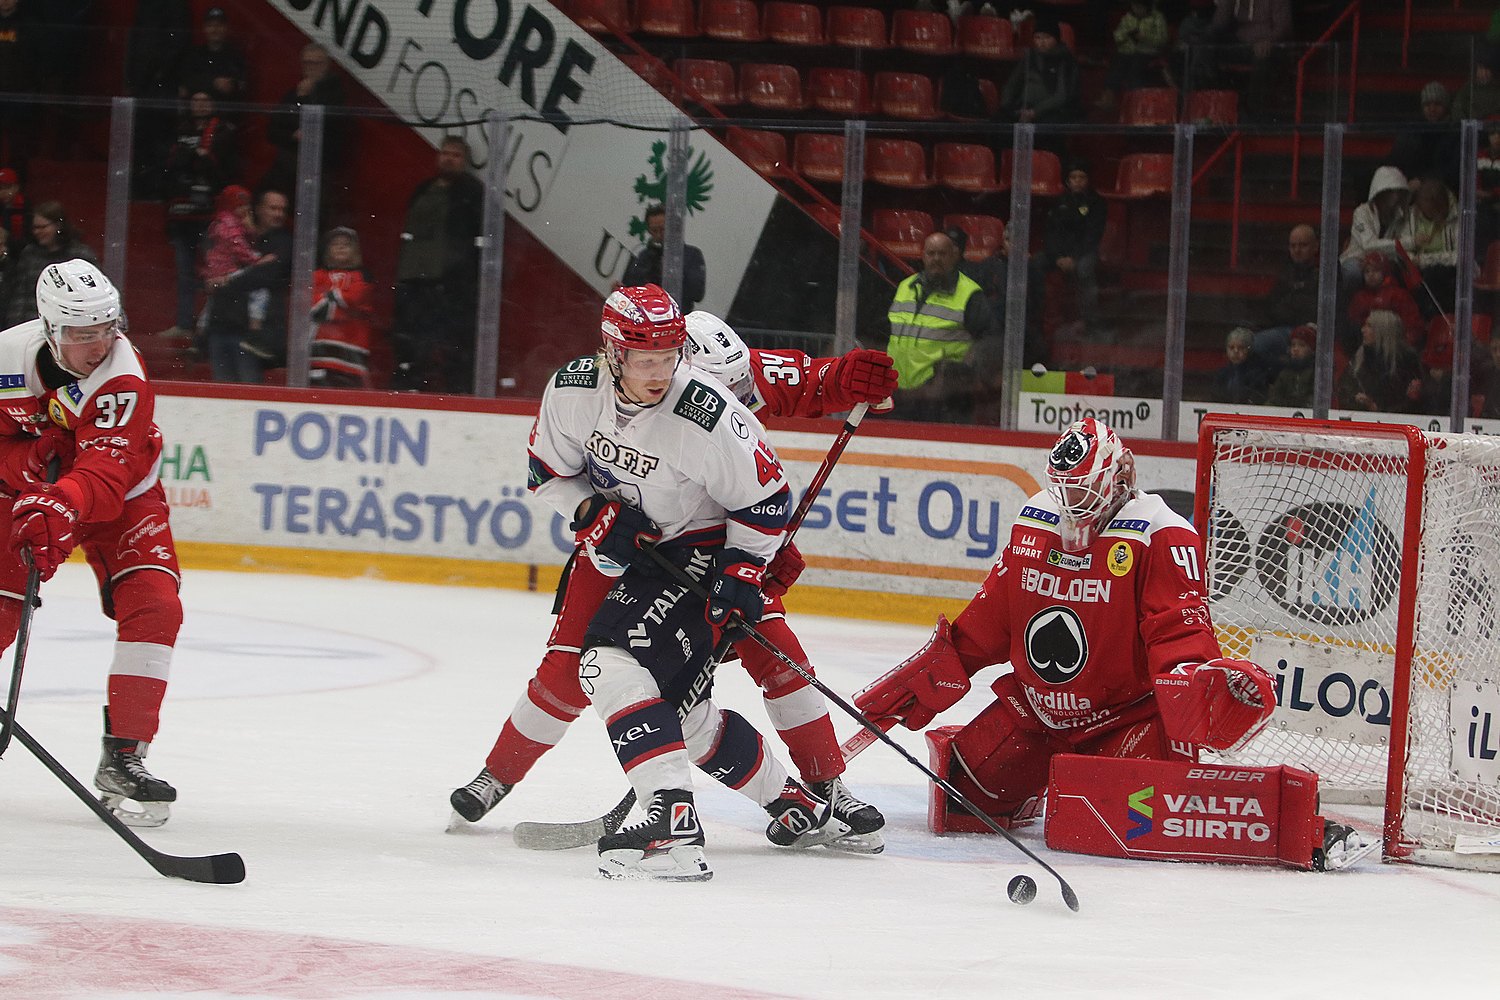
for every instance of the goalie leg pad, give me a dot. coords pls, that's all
(1000, 767)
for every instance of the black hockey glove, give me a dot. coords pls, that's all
(613, 529)
(734, 594)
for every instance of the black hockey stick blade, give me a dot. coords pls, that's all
(539, 836)
(217, 869)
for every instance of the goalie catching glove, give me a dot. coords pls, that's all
(734, 594)
(613, 529)
(42, 527)
(932, 680)
(1221, 704)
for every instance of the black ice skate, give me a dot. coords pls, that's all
(666, 845)
(864, 820)
(801, 819)
(473, 801)
(1342, 847)
(122, 777)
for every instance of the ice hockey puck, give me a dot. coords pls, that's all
(1022, 889)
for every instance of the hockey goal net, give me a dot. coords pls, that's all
(1360, 564)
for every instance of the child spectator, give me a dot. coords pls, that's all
(1435, 388)
(1381, 290)
(1385, 370)
(1073, 230)
(1294, 383)
(342, 294)
(228, 249)
(1141, 38)
(1243, 380)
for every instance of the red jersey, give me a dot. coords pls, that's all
(343, 301)
(1085, 632)
(794, 384)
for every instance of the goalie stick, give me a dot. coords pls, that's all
(541, 836)
(218, 869)
(681, 576)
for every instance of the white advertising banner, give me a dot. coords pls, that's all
(580, 186)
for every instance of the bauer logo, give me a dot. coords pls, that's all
(1138, 811)
(701, 405)
(1329, 563)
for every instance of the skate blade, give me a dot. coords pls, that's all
(858, 843)
(678, 864)
(457, 823)
(824, 836)
(133, 813)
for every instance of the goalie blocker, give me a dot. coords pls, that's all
(1161, 810)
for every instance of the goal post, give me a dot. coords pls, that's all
(1359, 563)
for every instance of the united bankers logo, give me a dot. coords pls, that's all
(1138, 811)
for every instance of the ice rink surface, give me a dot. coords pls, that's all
(317, 726)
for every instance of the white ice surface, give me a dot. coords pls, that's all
(317, 726)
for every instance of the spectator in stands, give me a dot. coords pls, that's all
(1381, 290)
(1195, 60)
(218, 65)
(1430, 239)
(646, 266)
(1435, 148)
(18, 75)
(158, 35)
(1043, 87)
(1480, 97)
(228, 249)
(1256, 28)
(1376, 224)
(342, 312)
(246, 331)
(1294, 383)
(1073, 230)
(1243, 379)
(1487, 182)
(1385, 375)
(15, 209)
(204, 158)
(1293, 299)
(54, 241)
(1487, 380)
(992, 273)
(938, 316)
(319, 84)
(1141, 38)
(437, 278)
(1435, 389)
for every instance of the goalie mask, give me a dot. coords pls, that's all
(1090, 476)
(76, 294)
(717, 349)
(641, 320)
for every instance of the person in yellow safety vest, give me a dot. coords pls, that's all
(936, 317)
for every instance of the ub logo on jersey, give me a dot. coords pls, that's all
(1056, 645)
(1121, 559)
(701, 405)
(580, 373)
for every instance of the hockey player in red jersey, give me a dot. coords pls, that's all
(1097, 603)
(782, 383)
(73, 387)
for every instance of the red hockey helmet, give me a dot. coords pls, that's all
(643, 318)
(1090, 475)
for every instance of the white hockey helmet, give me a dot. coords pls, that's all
(75, 293)
(717, 349)
(1090, 475)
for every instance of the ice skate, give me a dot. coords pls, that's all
(666, 845)
(864, 820)
(127, 789)
(1343, 846)
(800, 818)
(473, 801)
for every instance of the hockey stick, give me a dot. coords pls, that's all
(540, 836)
(23, 630)
(1069, 896)
(219, 869)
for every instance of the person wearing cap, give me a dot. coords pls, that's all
(1043, 87)
(1381, 290)
(1074, 228)
(937, 315)
(1434, 148)
(342, 313)
(1294, 384)
(15, 210)
(218, 65)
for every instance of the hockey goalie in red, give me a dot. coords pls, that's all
(72, 387)
(1097, 603)
(782, 383)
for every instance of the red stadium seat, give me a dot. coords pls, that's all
(967, 167)
(652, 70)
(897, 163)
(905, 95)
(793, 23)
(1214, 107)
(839, 91)
(1046, 172)
(989, 95)
(1149, 106)
(601, 15)
(666, 18)
(926, 31)
(985, 232)
(819, 157)
(709, 81)
(772, 87)
(856, 27)
(987, 37)
(1143, 175)
(731, 20)
(1488, 279)
(903, 231)
(765, 152)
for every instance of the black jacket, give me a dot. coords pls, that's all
(645, 268)
(1076, 224)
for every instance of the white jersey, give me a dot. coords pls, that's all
(695, 462)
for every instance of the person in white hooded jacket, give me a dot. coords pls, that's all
(1376, 224)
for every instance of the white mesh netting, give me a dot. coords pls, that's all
(1305, 539)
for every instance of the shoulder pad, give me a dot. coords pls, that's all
(701, 405)
(580, 373)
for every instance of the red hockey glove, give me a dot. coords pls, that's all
(735, 593)
(861, 376)
(784, 570)
(1221, 704)
(613, 529)
(42, 523)
(932, 680)
(27, 465)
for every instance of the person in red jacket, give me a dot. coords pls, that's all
(1381, 290)
(342, 313)
(784, 383)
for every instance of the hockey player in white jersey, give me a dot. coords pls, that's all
(643, 450)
